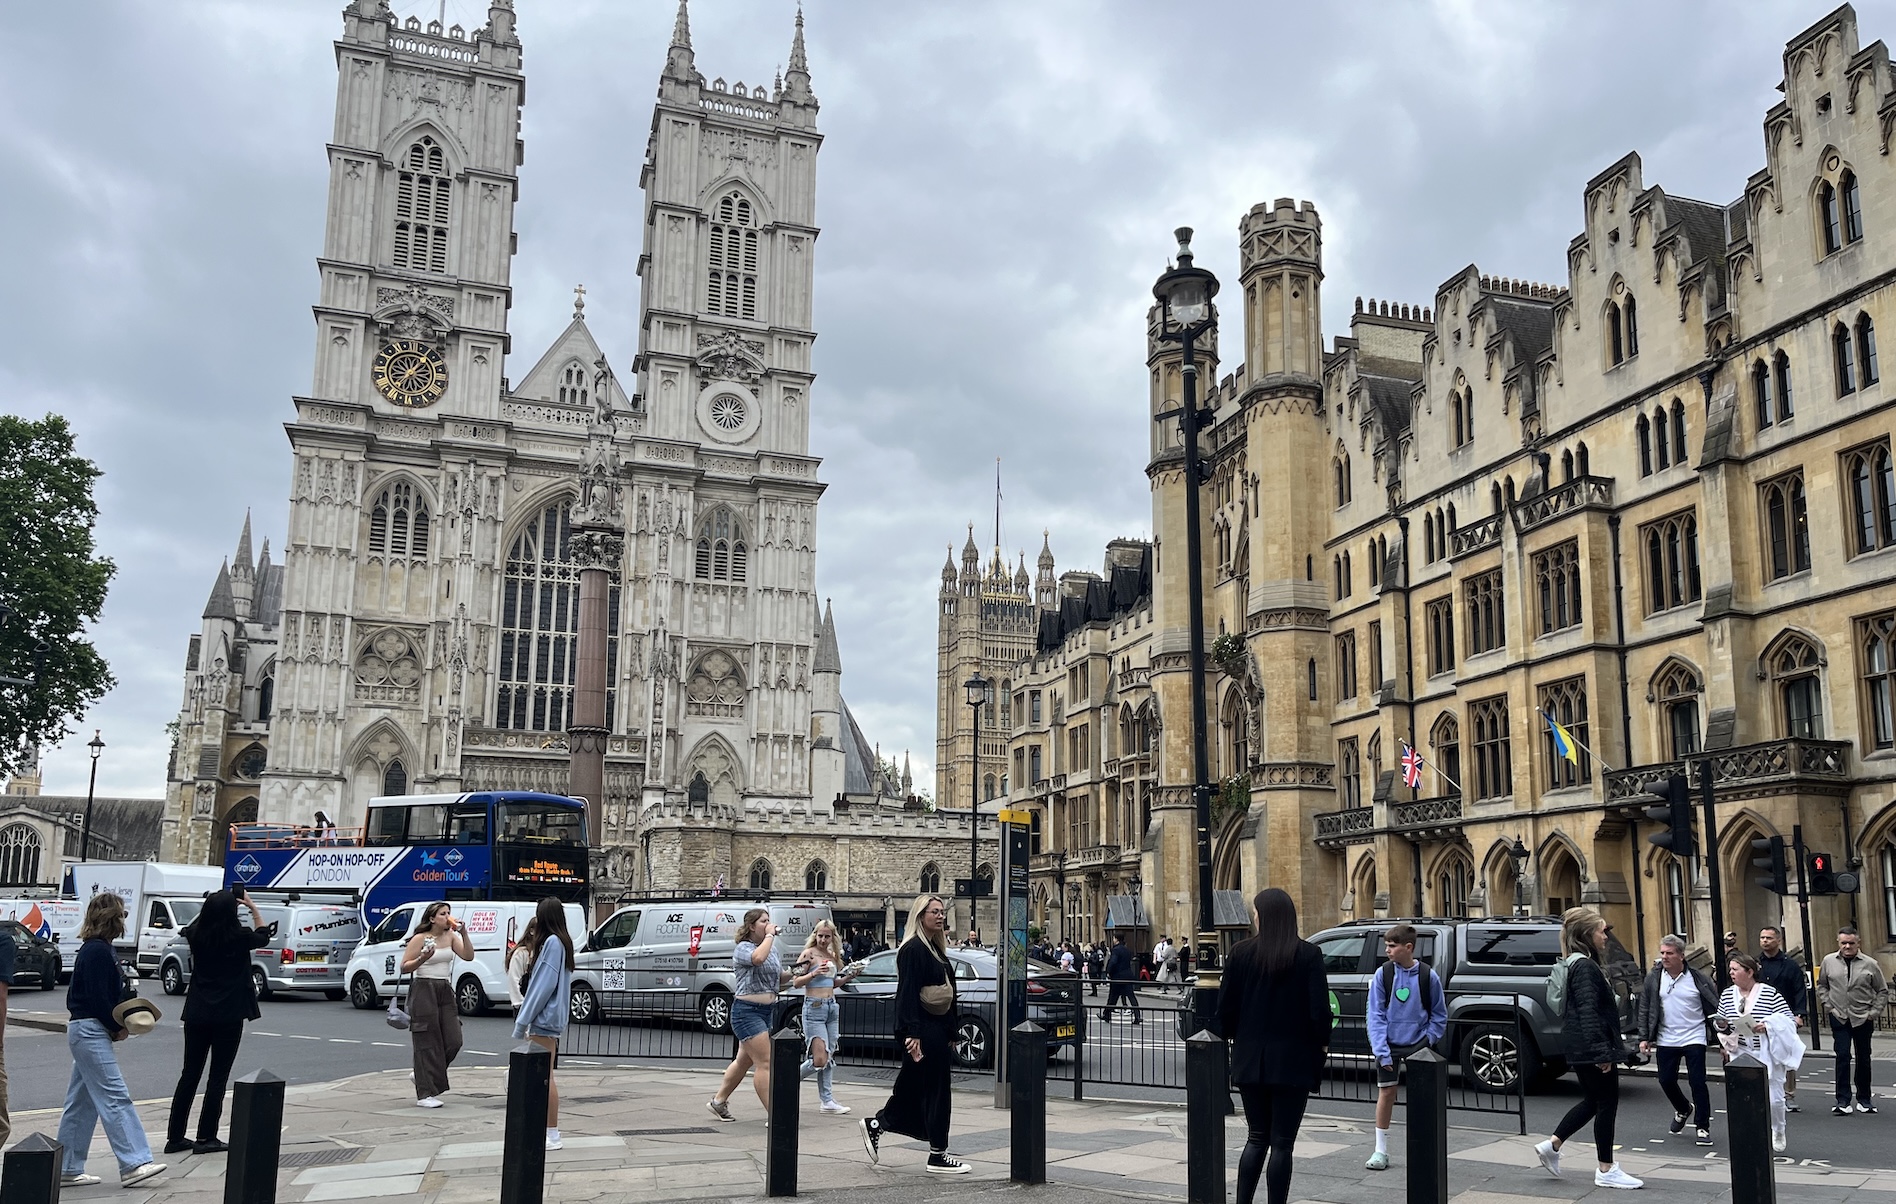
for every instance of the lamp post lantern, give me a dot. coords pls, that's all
(980, 693)
(97, 746)
(1518, 855)
(1185, 313)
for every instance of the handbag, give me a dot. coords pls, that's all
(938, 999)
(397, 1016)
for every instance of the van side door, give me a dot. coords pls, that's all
(611, 942)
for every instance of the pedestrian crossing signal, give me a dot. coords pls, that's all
(1823, 874)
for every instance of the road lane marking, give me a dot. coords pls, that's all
(301, 1037)
(389, 1044)
(345, 1041)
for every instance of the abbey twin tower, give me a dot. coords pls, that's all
(419, 634)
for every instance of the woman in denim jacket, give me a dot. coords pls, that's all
(543, 1008)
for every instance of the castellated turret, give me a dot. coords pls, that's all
(1280, 257)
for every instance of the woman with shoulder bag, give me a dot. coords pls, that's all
(434, 1023)
(217, 1004)
(543, 1007)
(920, 1104)
(758, 974)
(1590, 1038)
(96, 1094)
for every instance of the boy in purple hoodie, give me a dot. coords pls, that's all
(1407, 1013)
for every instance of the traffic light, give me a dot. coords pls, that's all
(1823, 874)
(1769, 856)
(1674, 810)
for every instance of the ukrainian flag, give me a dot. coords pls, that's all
(1563, 740)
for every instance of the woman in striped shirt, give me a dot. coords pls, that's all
(1745, 1013)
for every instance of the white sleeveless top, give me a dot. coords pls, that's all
(437, 967)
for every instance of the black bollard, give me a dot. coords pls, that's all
(1207, 1100)
(256, 1135)
(29, 1174)
(1027, 1067)
(1748, 1114)
(780, 1143)
(1427, 1120)
(523, 1158)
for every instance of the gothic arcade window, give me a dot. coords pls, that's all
(816, 876)
(1786, 526)
(760, 874)
(1843, 356)
(1876, 637)
(1487, 621)
(395, 779)
(731, 284)
(423, 205)
(398, 522)
(1872, 485)
(19, 855)
(1566, 701)
(1672, 562)
(1793, 665)
(539, 628)
(722, 554)
(1557, 578)
(1622, 331)
(1677, 690)
(1866, 350)
(1441, 627)
(1494, 766)
(574, 391)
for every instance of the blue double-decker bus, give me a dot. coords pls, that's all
(417, 847)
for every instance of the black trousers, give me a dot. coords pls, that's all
(1272, 1116)
(1853, 1047)
(1121, 989)
(1694, 1058)
(922, 1101)
(1601, 1106)
(219, 1043)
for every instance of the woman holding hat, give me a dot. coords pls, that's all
(101, 1015)
(219, 1001)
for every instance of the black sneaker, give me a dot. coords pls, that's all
(1678, 1122)
(946, 1164)
(1790, 1104)
(871, 1136)
(180, 1145)
(211, 1146)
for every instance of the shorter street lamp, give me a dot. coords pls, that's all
(1059, 858)
(1073, 901)
(980, 692)
(85, 837)
(1518, 855)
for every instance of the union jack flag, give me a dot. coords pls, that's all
(1411, 767)
(718, 890)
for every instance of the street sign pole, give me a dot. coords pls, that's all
(1810, 956)
(1011, 947)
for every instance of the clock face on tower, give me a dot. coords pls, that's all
(411, 373)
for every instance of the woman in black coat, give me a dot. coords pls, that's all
(1275, 1010)
(921, 1101)
(1591, 1042)
(218, 1001)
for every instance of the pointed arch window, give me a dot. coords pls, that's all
(424, 203)
(1630, 316)
(1866, 350)
(19, 855)
(1782, 379)
(1672, 562)
(1661, 443)
(398, 522)
(1877, 637)
(1761, 393)
(1828, 215)
(1566, 466)
(731, 281)
(816, 876)
(1872, 487)
(1461, 409)
(1843, 355)
(760, 874)
(1851, 199)
(931, 878)
(1341, 466)
(1445, 739)
(574, 387)
(1678, 431)
(1615, 343)
(1582, 462)
(1787, 525)
(721, 553)
(1794, 667)
(539, 628)
(1677, 691)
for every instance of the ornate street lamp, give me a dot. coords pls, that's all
(1059, 858)
(980, 693)
(85, 836)
(1518, 855)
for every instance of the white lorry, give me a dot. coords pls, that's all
(160, 898)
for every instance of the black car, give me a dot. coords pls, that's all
(36, 960)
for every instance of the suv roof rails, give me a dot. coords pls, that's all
(1394, 920)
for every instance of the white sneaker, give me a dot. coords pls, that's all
(137, 1175)
(835, 1109)
(79, 1180)
(430, 1102)
(1613, 1176)
(1549, 1156)
(1777, 1140)
(553, 1140)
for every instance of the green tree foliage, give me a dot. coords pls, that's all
(51, 585)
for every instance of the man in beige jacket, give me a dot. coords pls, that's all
(1854, 993)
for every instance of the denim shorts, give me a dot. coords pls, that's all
(750, 1019)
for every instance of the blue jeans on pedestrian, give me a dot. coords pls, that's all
(822, 1018)
(97, 1093)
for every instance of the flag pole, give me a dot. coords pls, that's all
(1577, 741)
(1437, 769)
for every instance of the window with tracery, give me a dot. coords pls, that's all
(1871, 483)
(539, 628)
(731, 288)
(931, 877)
(760, 874)
(1677, 691)
(1346, 665)
(716, 687)
(423, 207)
(1786, 526)
(1494, 763)
(574, 388)
(1566, 702)
(1349, 773)
(1445, 739)
(816, 876)
(1557, 577)
(1794, 667)
(1876, 637)
(1486, 619)
(19, 855)
(1440, 618)
(1672, 562)
(398, 522)
(721, 553)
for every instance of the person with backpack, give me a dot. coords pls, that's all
(1590, 1039)
(1407, 1014)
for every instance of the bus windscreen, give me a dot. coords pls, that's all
(540, 824)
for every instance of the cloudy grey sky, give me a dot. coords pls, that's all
(996, 191)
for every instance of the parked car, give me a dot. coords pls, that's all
(1494, 972)
(309, 948)
(36, 960)
(867, 1004)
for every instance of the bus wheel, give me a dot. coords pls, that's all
(582, 1005)
(469, 999)
(715, 1012)
(362, 992)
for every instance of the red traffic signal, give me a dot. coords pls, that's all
(1823, 874)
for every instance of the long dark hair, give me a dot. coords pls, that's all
(218, 922)
(549, 921)
(1277, 939)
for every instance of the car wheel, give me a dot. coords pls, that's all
(469, 999)
(259, 985)
(335, 994)
(582, 1005)
(714, 1012)
(50, 979)
(172, 978)
(1495, 1060)
(973, 1044)
(362, 992)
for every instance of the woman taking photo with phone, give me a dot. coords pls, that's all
(920, 1104)
(819, 971)
(543, 1007)
(434, 1024)
(216, 1005)
(759, 974)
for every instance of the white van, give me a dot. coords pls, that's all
(479, 984)
(672, 957)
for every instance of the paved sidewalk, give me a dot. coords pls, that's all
(643, 1134)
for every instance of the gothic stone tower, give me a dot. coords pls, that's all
(988, 620)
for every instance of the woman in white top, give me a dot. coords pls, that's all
(1746, 1013)
(434, 1024)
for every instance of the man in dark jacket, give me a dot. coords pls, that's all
(1781, 970)
(1674, 1015)
(1120, 967)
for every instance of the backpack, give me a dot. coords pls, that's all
(1557, 984)
(1424, 978)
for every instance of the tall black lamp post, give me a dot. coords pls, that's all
(85, 836)
(1184, 295)
(980, 693)
(1059, 858)
(1518, 855)
(1073, 904)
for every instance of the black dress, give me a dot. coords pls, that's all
(921, 1100)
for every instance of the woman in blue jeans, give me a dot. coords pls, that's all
(819, 970)
(545, 997)
(96, 1093)
(758, 976)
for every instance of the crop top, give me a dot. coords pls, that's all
(822, 980)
